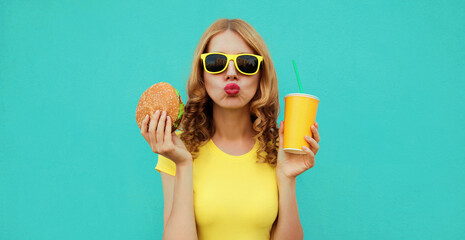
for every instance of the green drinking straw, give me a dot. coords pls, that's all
(297, 74)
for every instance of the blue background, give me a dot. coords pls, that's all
(390, 76)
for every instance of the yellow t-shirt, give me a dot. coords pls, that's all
(234, 197)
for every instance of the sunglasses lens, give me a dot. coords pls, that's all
(247, 63)
(215, 62)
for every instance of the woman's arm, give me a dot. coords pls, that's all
(288, 223)
(181, 223)
(289, 167)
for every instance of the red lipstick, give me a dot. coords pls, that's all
(232, 89)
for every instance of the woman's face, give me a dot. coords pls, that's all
(230, 42)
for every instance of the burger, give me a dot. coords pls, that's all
(164, 97)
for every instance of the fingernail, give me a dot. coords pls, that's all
(306, 148)
(157, 111)
(307, 137)
(146, 116)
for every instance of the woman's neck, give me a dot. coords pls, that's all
(232, 124)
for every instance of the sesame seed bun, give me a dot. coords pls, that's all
(164, 97)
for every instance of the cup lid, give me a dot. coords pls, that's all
(303, 95)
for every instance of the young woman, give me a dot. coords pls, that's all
(222, 173)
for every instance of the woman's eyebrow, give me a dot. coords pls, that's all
(224, 52)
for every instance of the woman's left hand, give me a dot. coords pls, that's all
(291, 165)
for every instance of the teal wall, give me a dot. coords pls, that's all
(390, 76)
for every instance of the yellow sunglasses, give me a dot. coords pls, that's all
(245, 63)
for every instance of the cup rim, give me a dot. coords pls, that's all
(303, 95)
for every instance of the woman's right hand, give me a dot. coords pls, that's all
(162, 141)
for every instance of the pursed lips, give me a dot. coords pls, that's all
(232, 89)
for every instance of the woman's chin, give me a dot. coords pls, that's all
(232, 103)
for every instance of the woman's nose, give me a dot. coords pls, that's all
(231, 72)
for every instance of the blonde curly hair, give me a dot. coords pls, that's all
(197, 126)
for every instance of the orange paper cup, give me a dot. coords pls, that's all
(299, 115)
